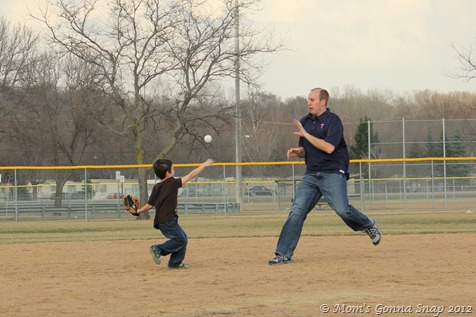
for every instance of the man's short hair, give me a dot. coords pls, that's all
(323, 94)
(161, 167)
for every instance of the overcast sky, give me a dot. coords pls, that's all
(400, 45)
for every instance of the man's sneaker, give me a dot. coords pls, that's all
(374, 233)
(280, 259)
(155, 254)
(181, 266)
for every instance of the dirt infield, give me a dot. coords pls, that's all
(231, 277)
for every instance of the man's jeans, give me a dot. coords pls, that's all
(334, 188)
(177, 243)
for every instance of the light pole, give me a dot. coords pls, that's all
(237, 106)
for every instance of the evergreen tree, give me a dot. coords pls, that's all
(415, 150)
(22, 191)
(361, 148)
(88, 189)
(433, 149)
(456, 148)
(453, 148)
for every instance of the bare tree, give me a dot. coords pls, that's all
(467, 62)
(260, 127)
(150, 48)
(18, 50)
(61, 106)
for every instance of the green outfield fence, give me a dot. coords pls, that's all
(418, 184)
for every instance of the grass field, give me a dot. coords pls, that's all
(236, 225)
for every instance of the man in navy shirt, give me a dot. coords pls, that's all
(322, 145)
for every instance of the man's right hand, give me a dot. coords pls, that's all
(295, 151)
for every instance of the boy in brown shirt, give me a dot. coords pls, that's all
(164, 198)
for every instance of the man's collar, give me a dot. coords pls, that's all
(313, 117)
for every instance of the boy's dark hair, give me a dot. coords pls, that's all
(161, 167)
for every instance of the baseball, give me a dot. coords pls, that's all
(208, 138)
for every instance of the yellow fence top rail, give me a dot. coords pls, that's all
(300, 162)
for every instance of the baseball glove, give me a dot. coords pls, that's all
(131, 204)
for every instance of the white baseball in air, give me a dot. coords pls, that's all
(207, 138)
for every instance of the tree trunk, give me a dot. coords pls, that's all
(59, 192)
(142, 173)
(143, 190)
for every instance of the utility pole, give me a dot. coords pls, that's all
(238, 137)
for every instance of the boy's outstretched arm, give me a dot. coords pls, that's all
(144, 208)
(194, 173)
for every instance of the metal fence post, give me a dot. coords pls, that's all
(432, 187)
(86, 194)
(15, 194)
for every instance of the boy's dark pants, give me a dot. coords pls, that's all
(176, 246)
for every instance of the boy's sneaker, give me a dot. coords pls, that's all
(374, 233)
(280, 259)
(181, 266)
(155, 254)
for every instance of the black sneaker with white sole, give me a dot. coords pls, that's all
(280, 259)
(181, 266)
(374, 233)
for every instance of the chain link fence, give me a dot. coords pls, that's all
(402, 185)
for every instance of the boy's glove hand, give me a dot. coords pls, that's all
(131, 204)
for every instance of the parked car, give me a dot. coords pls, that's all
(114, 195)
(77, 195)
(23, 195)
(259, 191)
(64, 196)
